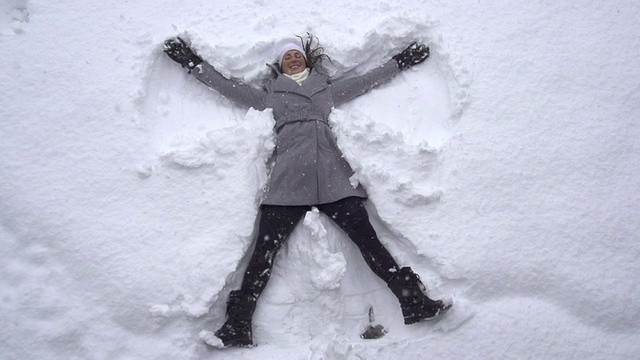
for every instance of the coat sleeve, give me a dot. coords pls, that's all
(241, 94)
(348, 89)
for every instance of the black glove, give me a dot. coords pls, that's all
(179, 51)
(413, 55)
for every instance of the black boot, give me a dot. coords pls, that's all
(409, 290)
(236, 331)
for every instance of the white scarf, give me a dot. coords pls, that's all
(299, 77)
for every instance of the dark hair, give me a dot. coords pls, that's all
(315, 52)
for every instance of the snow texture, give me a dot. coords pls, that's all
(504, 170)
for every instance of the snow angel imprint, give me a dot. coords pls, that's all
(308, 170)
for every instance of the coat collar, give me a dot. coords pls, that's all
(314, 83)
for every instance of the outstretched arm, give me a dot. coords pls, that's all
(348, 89)
(239, 93)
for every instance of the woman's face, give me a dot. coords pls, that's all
(293, 62)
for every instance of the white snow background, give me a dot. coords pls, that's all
(505, 170)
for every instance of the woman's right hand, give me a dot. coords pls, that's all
(179, 51)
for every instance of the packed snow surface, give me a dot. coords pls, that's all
(505, 169)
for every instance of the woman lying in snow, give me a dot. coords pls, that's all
(309, 170)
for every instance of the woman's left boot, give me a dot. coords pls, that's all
(236, 331)
(416, 306)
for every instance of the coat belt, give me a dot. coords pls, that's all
(282, 123)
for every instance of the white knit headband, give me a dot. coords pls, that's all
(286, 47)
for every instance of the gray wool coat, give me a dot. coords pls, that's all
(308, 168)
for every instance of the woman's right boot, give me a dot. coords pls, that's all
(416, 306)
(236, 331)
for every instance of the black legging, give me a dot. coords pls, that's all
(277, 222)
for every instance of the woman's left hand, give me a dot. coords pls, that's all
(412, 55)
